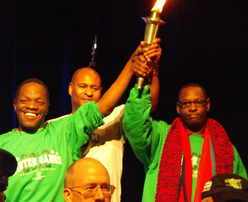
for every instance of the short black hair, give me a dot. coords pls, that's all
(193, 85)
(30, 80)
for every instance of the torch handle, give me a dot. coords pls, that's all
(140, 80)
(152, 23)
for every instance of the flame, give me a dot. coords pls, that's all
(159, 6)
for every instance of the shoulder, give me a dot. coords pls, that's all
(116, 113)
(118, 109)
(7, 137)
(87, 108)
(12, 132)
(58, 118)
(162, 125)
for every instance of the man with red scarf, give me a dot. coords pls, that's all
(179, 158)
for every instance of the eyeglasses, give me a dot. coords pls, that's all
(197, 103)
(90, 191)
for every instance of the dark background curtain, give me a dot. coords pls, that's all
(203, 41)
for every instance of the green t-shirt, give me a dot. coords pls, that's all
(196, 142)
(44, 156)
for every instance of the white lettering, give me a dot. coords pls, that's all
(51, 158)
(29, 162)
(34, 161)
(41, 159)
(46, 160)
(59, 160)
(194, 160)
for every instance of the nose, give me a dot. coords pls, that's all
(99, 195)
(32, 104)
(192, 107)
(88, 92)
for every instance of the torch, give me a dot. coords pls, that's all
(152, 23)
(92, 63)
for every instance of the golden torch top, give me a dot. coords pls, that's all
(158, 7)
(152, 23)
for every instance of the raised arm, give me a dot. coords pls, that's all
(149, 65)
(110, 99)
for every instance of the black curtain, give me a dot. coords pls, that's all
(202, 41)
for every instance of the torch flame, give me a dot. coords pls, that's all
(159, 6)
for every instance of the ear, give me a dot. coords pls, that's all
(178, 108)
(70, 89)
(14, 104)
(208, 104)
(47, 110)
(67, 193)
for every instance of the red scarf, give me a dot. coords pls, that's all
(175, 181)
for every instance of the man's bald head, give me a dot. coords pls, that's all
(85, 86)
(81, 168)
(85, 70)
(84, 175)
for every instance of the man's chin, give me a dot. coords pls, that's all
(30, 129)
(192, 123)
(84, 101)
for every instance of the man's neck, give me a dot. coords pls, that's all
(30, 130)
(196, 130)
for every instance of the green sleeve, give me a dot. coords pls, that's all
(143, 133)
(238, 166)
(82, 124)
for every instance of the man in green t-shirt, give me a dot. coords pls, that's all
(44, 151)
(179, 158)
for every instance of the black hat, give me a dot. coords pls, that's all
(8, 167)
(8, 163)
(224, 187)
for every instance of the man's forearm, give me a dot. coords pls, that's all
(154, 89)
(111, 97)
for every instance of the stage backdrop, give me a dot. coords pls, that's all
(202, 41)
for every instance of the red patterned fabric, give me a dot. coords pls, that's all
(205, 167)
(173, 186)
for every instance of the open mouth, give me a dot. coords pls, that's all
(30, 114)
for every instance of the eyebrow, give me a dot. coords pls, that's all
(183, 100)
(95, 184)
(89, 84)
(28, 97)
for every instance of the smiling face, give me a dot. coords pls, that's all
(31, 106)
(84, 87)
(193, 117)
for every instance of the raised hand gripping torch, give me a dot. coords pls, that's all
(152, 23)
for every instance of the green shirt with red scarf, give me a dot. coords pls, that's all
(147, 138)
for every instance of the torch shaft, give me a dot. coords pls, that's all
(150, 33)
(152, 24)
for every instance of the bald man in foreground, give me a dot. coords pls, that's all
(87, 180)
